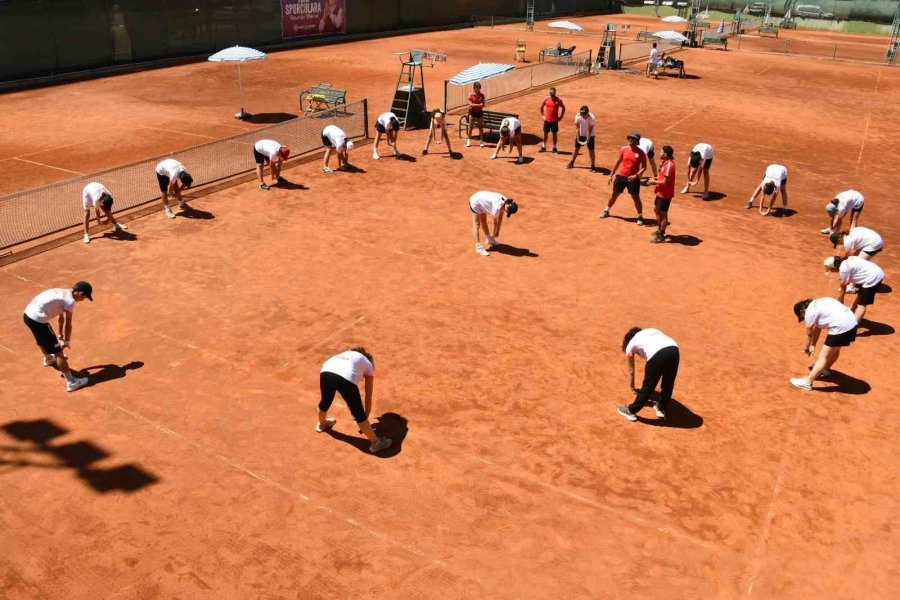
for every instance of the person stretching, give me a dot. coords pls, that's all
(848, 201)
(860, 272)
(437, 132)
(859, 241)
(387, 125)
(269, 152)
(510, 133)
(824, 313)
(662, 356)
(773, 182)
(699, 163)
(482, 204)
(96, 196)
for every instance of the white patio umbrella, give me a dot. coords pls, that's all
(721, 28)
(670, 35)
(674, 19)
(566, 25)
(238, 54)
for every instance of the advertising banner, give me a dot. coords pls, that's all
(311, 17)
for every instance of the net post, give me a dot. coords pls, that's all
(366, 116)
(445, 96)
(834, 52)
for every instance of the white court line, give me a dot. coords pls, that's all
(34, 162)
(334, 333)
(862, 144)
(7, 349)
(877, 81)
(680, 121)
(209, 137)
(49, 149)
(766, 69)
(767, 524)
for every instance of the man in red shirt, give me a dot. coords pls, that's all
(630, 166)
(476, 114)
(665, 191)
(552, 110)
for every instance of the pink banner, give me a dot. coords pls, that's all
(311, 17)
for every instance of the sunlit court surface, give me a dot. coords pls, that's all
(189, 467)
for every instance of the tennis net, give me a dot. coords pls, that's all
(632, 51)
(39, 212)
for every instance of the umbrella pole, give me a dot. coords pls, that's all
(242, 114)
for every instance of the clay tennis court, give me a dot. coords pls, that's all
(190, 468)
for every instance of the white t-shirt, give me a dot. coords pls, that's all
(863, 238)
(90, 195)
(49, 304)
(485, 202)
(860, 271)
(705, 150)
(350, 365)
(511, 122)
(170, 168)
(776, 174)
(849, 200)
(268, 148)
(648, 342)
(828, 313)
(646, 144)
(584, 124)
(385, 120)
(654, 55)
(336, 136)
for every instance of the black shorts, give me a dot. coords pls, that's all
(621, 183)
(841, 339)
(475, 115)
(590, 142)
(652, 153)
(551, 126)
(43, 335)
(326, 142)
(856, 210)
(866, 295)
(163, 183)
(329, 383)
(380, 128)
(873, 252)
(662, 204)
(260, 158)
(707, 164)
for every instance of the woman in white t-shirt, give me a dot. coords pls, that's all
(485, 203)
(859, 241)
(95, 196)
(585, 123)
(663, 356)
(335, 140)
(824, 313)
(437, 132)
(699, 162)
(510, 133)
(388, 125)
(773, 183)
(865, 275)
(270, 152)
(847, 201)
(341, 374)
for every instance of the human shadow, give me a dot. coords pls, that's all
(78, 456)
(529, 139)
(843, 383)
(190, 212)
(284, 184)
(686, 76)
(103, 373)
(351, 168)
(678, 416)
(118, 234)
(389, 425)
(526, 160)
(874, 328)
(406, 158)
(885, 288)
(783, 213)
(684, 240)
(276, 117)
(512, 250)
(713, 196)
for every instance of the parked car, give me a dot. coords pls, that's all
(757, 8)
(811, 11)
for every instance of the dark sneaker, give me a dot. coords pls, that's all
(640, 221)
(623, 410)
(381, 444)
(604, 214)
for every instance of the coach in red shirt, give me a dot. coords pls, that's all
(476, 114)
(630, 166)
(665, 191)
(552, 110)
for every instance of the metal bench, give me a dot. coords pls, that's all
(715, 41)
(645, 35)
(768, 29)
(321, 97)
(555, 51)
(492, 121)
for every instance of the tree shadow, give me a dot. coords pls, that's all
(109, 372)
(875, 328)
(79, 457)
(276, 117)
(845, 384)
(678, 416)
(190, 212)
(684, 240)
(390, 425)
(512, 250)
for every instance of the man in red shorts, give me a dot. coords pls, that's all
(627, 174)
(476, 114)
(552, 110)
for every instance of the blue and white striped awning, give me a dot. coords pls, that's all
(479, 72)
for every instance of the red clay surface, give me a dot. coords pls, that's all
(516, 478)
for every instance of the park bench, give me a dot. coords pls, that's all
(492, 121)
(321, 97)
(557, 50)
(645, 35)
(715, 41)
(768, 30)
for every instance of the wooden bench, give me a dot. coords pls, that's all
(768, 29)
(492, 121)
(645, 35)
(555, 51)
(321, 97)
(715, 41)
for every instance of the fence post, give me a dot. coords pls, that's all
(365, 115)
(445, 96)
(785, 46)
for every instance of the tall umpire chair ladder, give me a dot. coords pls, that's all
(894, 45)
(409, 97)
(529, 15)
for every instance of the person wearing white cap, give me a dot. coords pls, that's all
(388, 125)
(699, 162)
(774, 181)
(270, 152)
(96, 196)
(663, 356)
(510, 133)
(341, 374)
(585, 122)
(50, 304)
(335, 140)
(864, 274)
(482, 204)
(437, 132)
(847, 201)
(859, 241)
(172, 178)
(646, 144)
(824, 313)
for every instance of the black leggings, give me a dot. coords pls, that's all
(663, 365)
(329, 383)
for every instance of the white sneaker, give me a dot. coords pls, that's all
(87, 239)
(396, 151)
(480, 251)
(375, 155)
(800, 382)
(623, 410)
(660, 413)
(469, 144)
(79, 383)
(491, 241)
(329, 423)
(49, 361)
(851, 289)
(381, 444)
(481, 145)
(169, 213)
(121, 227)
(826, 231)
(327, 170)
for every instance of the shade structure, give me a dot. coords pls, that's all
(670, 35)
(238, 54)
(479, 72)
(566, 25)
(674, 19)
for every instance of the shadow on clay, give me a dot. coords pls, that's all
(103, 373)
(870, 328)
(678, 416)
(843, 383)
(389, 425)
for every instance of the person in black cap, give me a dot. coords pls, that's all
(57, 302)
(859, 241)
(485, 203)
(630, 166)
(819, 314)
(172, 178)
(663, 357)
(96, 196)
(584, 135)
